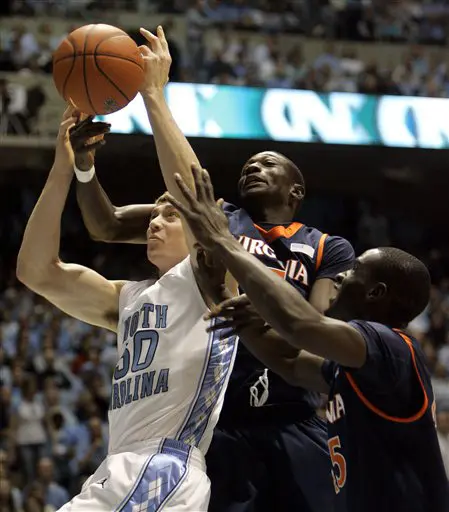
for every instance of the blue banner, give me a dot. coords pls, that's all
(297, 116)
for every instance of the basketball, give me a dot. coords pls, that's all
(99, 67)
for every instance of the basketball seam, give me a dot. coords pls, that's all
(107, 77)
(112, 55)
(84, 67)
(109, 55)
(73, 56)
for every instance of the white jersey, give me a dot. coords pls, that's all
(171, 377)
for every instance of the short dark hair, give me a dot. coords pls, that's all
(295, 173)
(408, 282)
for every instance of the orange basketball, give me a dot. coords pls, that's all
(98, 67)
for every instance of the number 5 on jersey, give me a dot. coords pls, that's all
(338, 464)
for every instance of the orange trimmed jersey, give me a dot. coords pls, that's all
(301, 255)
(382, 435)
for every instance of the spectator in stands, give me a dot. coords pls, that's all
(196, 21)
(64, 437)
(27, 427)
(5, 416)
(92, 448)
(35, 501)
(46, 365)
(54, 495)
(10, 498)
(220, 72)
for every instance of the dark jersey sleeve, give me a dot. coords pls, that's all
(338, 256)
(388, 379)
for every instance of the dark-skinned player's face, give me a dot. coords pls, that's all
(356, 288)
(265, 175)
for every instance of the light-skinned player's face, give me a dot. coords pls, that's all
(166, 243)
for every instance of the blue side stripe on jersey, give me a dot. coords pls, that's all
(135, 486)
(198, 390)
(159, 479)
(220, 355)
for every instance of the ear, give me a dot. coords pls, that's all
(296, 193)
(377, 292)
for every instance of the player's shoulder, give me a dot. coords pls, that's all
(383, 336)
(317, 236)
(132, 290)
(375, 330)
(327, 244)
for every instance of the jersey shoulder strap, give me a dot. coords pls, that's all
(320, 251)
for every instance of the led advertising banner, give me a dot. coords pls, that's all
(297, 116)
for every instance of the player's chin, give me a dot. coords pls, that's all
(154, 255)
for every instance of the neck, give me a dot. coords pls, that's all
(275, 214)
(164, 269)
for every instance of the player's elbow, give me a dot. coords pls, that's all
(34, 277)
(26, 275)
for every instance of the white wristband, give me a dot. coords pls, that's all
(84, 176)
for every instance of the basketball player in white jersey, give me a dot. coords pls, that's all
(170, 379)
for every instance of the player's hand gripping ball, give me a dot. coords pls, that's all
(99, 68)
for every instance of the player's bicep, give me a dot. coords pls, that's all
(83, 293)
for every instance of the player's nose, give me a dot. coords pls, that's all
(253, 169)
(154, 227)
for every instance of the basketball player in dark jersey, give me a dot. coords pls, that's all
(383, 442)
(266, 427)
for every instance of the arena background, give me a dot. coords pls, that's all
(356, 93)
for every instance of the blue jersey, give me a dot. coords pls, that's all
(382, 436)
(301, 255)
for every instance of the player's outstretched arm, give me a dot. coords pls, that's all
(277, 302)
(104, 221)
(74, 289)
(297, 367)
(174, 151)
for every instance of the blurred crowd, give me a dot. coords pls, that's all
(55, 371)
(232, 55)
(366, 20)
(232, 60)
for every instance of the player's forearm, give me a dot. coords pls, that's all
(108, 223)
(173, 149)
(271, 350)
(40, 244)
(282, 307)
(97, 210)
(298, 368)
(277, 302)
